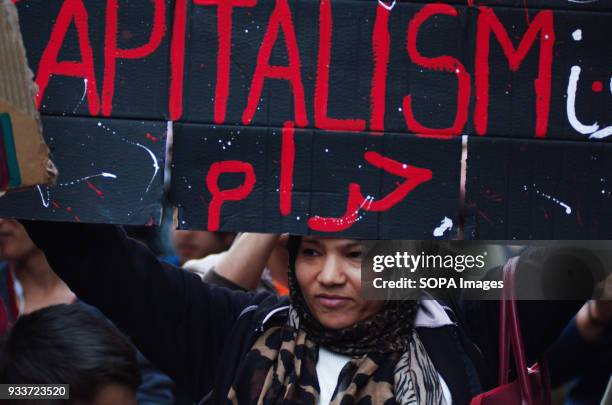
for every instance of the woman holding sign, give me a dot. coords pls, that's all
(324, 344)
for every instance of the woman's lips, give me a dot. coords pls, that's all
(332, 301)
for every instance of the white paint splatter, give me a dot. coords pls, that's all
(582, 1)
(79, 180)
(577, 35)
(153, 158)
(45, 196)
(388, 7)
(107, 129)
(367, 202)
(82, 97)
(568, 209)
(46, 202)
(150, 153)
(445, 225)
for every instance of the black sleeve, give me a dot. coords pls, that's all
(541, 323)
(176, 320)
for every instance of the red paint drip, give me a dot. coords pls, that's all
(152, 138)
(77, 219)
(485, 217)
(526, 12)
(69, 209)
(55, 205)
(96, 190)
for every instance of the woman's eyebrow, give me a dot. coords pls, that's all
(307, 239)
(354, 244)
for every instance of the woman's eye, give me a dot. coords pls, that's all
(357, 254)
(310, 252)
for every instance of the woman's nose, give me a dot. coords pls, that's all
(332, 272)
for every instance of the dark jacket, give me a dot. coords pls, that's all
(587, 364)
(199, 333)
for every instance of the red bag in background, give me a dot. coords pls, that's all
(533, 384)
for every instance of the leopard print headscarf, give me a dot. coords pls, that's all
(389, 364)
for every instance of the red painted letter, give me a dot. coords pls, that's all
(49, 65)
(414, 177)
(224, 32)
(356, 201)
(380, 49)
(487, 22)
(112, 53)
(330, 224)
(322, 121)
(177, 60)
(287, 160)
(218, 197)
(280, 18)
(446, 63)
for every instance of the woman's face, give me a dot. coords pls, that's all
(329, 274)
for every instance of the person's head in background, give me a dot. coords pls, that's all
(38, 285)
(15, 243)
(64, 344)
(190, 245)
(199, 244)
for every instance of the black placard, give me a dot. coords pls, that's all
(400, 80)
(110, 171)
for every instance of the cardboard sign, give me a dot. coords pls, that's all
(110, 171)
(295, 180)
(24, 159)
(335, 117)
(539, 190)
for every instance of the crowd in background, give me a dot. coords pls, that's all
(51, 336)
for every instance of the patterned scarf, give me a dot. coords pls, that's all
(389, 364)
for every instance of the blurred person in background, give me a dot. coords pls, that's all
(582, 355)
(27, 283)
(254, 262)
(66, 344)
(191, 244)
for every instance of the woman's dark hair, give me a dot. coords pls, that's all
(66, 344)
